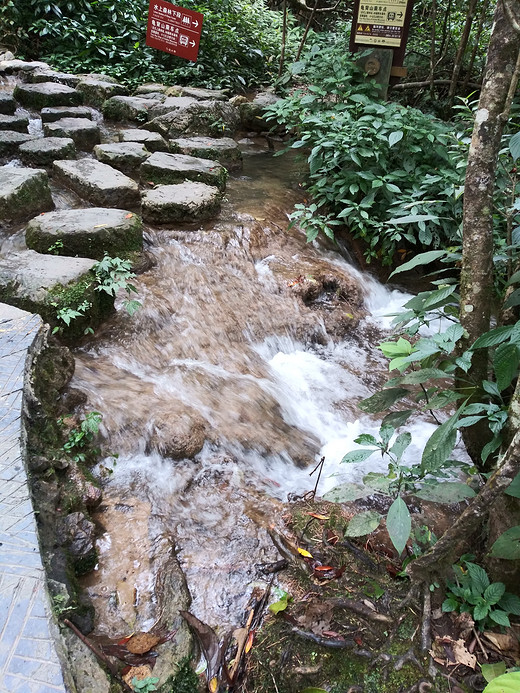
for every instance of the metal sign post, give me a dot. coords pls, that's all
(173, 29)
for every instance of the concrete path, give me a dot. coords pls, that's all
(28, 658)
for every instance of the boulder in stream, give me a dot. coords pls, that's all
(10, 140)
(252, 112)
(224, 149)
(24, 192)
(17, 123)
(132, 108)
(99, 183)
(153, 141)
(176, 168)
(180, 116)
(47, 94)
(184, 202)
(89, 232)
(83, 131)
(125, 156)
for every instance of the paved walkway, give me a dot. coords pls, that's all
(28, 659)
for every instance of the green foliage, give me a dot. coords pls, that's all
(507, 545)
(240, 41)
(472, 592)
(186, 680)
(79, 440)
(146, 685)
(507, 683)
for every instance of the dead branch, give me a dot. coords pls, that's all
(361, 610)
(426, 640)
(436, 82)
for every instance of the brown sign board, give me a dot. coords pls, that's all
(173, 29)
(381, 25)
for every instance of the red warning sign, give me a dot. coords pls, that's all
(175, 30)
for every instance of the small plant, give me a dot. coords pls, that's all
(113, 274)
(79, 439)
(56, 247)
(146, 685)
(186, 680)
(488, 603)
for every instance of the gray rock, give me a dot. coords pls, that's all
(171, 104)
(204, 94)
(150, 88)
(24, 192)
(89, 232)
(45, 150)
(17, 123)
(176, 168)
(184, 202)
(96, 91)
(100, 76)
(8, 66)
(6, 55)
(99, 183)
(7, 103)
(44, 284)
(47, 94)
(50, 115)
(211, 118)
(125, 156)
(83, 131)
(252, 112)
(39, 75)
(10, 141)
(88, 675)
(132, 108)
(77, 534)
(153, 141)
(224, 150)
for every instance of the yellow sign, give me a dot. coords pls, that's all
(382, 23)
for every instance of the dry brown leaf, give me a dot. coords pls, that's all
(138, 672)
(462, 656)
(503, 642)
(450, 652)
(142, 642)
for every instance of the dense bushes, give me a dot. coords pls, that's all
(240, 42)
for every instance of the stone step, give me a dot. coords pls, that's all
(45, 150)
(7, 103)
(90, 232)
(99, 183)
(24, 192)
(224, 150)
(50, 115)
(10, 140)
(125, 156)
(16, 123)
(176, 168)
(131, 108)
(84, 132)
(47, 94)
(96, 91)
(184, 202)
(153, 141)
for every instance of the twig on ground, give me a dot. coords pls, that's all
(361, 610)
(426, 640)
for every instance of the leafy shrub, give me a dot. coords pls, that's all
(240, 41)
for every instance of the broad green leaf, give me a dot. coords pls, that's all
(402, 441)
(366, 439)
(437, 297)
(449, 492)
(480, 611)
(399, 348)
(478, 575)
(505, 364)
(494, 337)
(514, 146)
(440, 444)
(398, 524)
(508, 683)
(450, 604)
(397, 418)
(355, 456)
(363, 524)
(500, 617)
(491, 671)
(514, 487)
(382, 400)
(378, 482)
(420, 259)
(510, 603)
(507, 545)
(422, 376)
(395, 137)
(280, 605)
(513, 299)
(413, 219)
(494, 593)
(347, 492)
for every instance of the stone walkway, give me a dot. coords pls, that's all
(28, 658)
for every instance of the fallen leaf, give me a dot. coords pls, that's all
(250, 639)
(317, 516)
(129, 216)
(462, 656)
(304, 553)
(209, 645)
(504, 642)
(142, 642)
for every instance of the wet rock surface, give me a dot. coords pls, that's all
(125, 156)
(99, 183)
(153, 141)
(185, 202)
(83, 131)
(175, 168)
(44, 151)
(47, 94)
(224, 150)
(24, 192)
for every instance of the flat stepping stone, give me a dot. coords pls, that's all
(204, 94)
(50, 115)
(7, 103)
(45, 150)
(176, 168)
(89, 232)
(38, 76)
(34, 282)
(153, 141)
(7, 67)
(18, 123)
(24, 192)
(125, 156)
(83, 131)
(224, 150)
(47, 94)
(172, 104)
(150, 88)
(184, 202)
(96, 91)
(172, 119)
(99, 183)
(11, 140)
(132, 108)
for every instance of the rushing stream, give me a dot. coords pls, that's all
(248, 355)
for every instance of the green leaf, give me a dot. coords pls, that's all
(494, 337)
(480, 611)
(398, 524)
(494, 593)
(507, 545)
(402, 441)
(395, 137)
(280, 605)
(440, 444)
(378, 482)
(500, 617)
(508, 683)
(363, 524)
(450, 604)
(422, 376)
(421, 259)
(347, 492)
(514, 146)
(514, 487)
(478, 576)
(449, 492)
(491, 671)
(505, 363)
(366, 439)
(355, 456)
(397, 418)
(413, 219)
(382, 400)
(510, 603)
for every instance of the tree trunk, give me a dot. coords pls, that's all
(476, 40)
(461, 50)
